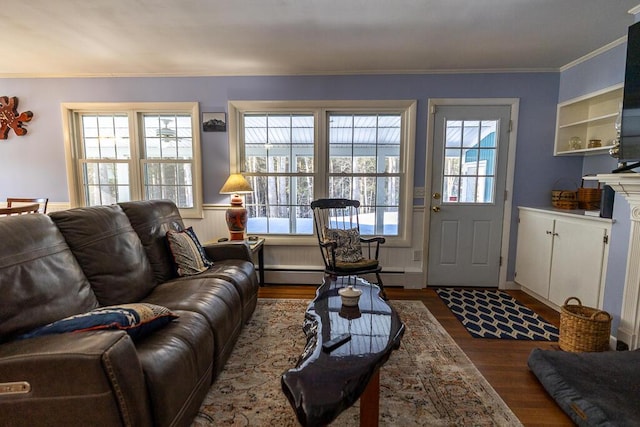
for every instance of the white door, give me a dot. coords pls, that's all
(470, 146)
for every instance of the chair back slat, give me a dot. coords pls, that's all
(19, 210)
(336, 214)
(21, 201)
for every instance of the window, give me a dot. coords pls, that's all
(124, 152)
(470, 167)
(295, 152)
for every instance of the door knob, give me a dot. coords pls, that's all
(436, 196)
(436, 208)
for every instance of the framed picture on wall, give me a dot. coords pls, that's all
(214, 122)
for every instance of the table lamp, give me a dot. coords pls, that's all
(236, 215)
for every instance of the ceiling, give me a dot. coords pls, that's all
(44, 38)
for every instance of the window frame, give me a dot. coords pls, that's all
(320, 109)
(71, 115)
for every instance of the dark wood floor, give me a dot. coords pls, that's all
(502, 362)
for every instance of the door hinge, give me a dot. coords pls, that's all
(510, 125)
(500, 262)
(605, 239)
(433, 109)
(506, 195)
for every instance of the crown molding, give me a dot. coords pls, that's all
(595, 53)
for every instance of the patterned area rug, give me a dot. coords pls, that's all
(429, 381)
(488, 313)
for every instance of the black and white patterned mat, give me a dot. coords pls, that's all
(488, 313)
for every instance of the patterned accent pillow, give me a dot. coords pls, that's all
(187, 252)
(138, 320)
(349, 248)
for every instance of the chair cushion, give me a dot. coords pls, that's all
(349, 249)
(363, 264)
(187, 251)
(138, 320)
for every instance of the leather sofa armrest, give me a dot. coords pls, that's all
(87, 378)
(228, 250)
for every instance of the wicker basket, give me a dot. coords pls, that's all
(564, 199)
(583, 328)
(589, 198)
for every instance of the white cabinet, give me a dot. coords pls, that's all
(592, 116)
(561, 255)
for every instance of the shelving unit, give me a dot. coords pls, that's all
(592, 116)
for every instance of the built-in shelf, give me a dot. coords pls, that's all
(588, 117)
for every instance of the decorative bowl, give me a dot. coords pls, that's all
(350, 296)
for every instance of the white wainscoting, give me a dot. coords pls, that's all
(302, 263)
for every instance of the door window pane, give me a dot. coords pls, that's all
(470, 161)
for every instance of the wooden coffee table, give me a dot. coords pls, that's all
(325, 383)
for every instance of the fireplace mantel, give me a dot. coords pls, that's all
(628, 185)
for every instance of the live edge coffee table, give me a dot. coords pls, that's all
(326, 381)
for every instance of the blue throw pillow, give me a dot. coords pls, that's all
(187, 252)
(138, 320)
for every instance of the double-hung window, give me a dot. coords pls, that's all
(295, 152)
(123, 152)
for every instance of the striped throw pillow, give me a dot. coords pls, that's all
(187, 252)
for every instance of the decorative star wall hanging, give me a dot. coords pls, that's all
(10, 119)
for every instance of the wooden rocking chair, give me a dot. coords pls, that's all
(344, 251)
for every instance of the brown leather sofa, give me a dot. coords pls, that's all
(70, 262)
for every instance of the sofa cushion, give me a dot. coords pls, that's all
(241, 274)
(177, 362)
(217, 300)
(109, 252)
(41, 280)
(138, 320)
(187, 252)
(151, 219)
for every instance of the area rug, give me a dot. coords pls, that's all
(489, 313)
(429, 381)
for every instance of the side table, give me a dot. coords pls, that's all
(255, 246)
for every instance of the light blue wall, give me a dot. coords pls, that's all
(34, 164)
(601, 71)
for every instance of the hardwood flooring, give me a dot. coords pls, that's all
(502, 362)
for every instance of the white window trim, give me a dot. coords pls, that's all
(74, 176)
(408, 134)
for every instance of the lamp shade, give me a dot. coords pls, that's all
(236, 183)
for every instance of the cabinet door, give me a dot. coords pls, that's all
(533, 258)
(576, 266)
